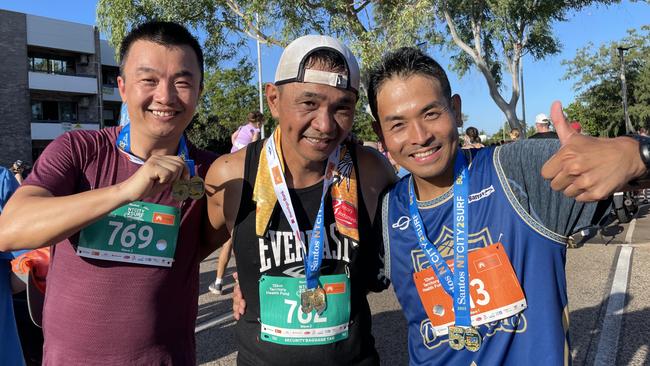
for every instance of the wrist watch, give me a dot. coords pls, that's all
(644, 148)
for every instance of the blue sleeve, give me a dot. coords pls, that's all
(522, 163)
(8, 185)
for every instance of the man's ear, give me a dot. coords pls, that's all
(121, 87)
(457, 110)
(377, 128)
(273, 99)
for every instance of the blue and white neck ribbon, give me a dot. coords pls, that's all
(455, 284)
(312, 261)
(124, 145)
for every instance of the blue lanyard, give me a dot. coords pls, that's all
(456, 284)
(124, 144)
(315, 256)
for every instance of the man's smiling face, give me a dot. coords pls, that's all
(419, 126)
(161, 86)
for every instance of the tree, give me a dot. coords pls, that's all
(598, 105)
(228, 23)
(228, 96)
(495, 34)
(491, 34)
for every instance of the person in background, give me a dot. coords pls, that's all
(18, 169)
(244, 135)
(11, 353)
(576, 126)
(247, 133)
(515, 134)
(472, 139)
(543, 128)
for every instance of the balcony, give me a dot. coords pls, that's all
(111, 94)
(52, 130)
(62, 83)
(59, 34)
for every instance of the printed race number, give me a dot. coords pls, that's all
(128, 238)
(302, 317)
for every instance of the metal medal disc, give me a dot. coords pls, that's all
(180, 190)
(439, 310)
(473, 339)
(456, 338)
(319, 300)
(306, 301)
(196, 187)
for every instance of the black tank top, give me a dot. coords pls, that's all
(275, 255)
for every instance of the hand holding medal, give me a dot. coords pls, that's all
(193, 188)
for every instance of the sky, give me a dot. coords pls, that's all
(542, 79)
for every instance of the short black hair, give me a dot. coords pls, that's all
(404, 62)
(327, 59)
(163, 33)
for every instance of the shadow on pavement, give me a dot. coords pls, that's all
(215, 343)
(218, 304)
(389, 330)
(586, 329)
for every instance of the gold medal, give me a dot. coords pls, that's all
(196, 187)
(319, 300)
(180, 190)
(456, 337)
(306, 301)
(473, 339)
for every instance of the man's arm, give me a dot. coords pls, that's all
(590, 168)
(223, 188)
(375, 174)
(34, 218)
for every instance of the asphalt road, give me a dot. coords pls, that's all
(609, 304)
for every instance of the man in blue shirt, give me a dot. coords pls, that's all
(10, 345)
(488, 214)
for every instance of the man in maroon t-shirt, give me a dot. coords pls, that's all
(123, 282)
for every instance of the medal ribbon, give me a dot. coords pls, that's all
(456, 283)
(124, 145)
(312, 261)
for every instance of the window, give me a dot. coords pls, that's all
(51, 64)
(109, 76)
(68, 111)
(44, 111)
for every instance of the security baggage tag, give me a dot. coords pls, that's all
(138, 232)
(283, 320)
(495, 292)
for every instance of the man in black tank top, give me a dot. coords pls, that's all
(300, 207)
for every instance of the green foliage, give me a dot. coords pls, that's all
(596, 72)
(228, 97)
(494, 35)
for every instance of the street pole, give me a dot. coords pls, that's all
(628, 126)
(259, 72)
(523, 99)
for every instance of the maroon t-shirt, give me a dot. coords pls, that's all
(111, 313)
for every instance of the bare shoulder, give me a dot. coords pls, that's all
(227, 167)
(375, 174)
(223, 187)
(374, 167)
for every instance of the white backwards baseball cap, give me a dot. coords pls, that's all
(542, 119)
(291, 67)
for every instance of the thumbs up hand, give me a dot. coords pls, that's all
(590, 168)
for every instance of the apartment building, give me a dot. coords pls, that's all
(58, 76)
